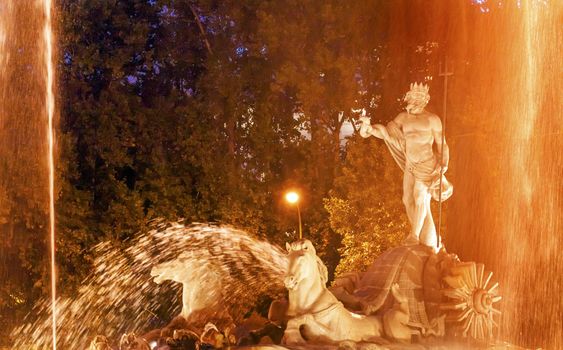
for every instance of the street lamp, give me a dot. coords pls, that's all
(293, 198)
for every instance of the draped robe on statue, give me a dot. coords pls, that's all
(424, 171)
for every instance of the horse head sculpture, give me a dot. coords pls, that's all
(303, 264)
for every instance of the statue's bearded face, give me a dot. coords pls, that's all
(416, 101)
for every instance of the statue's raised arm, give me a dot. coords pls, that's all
(367, 130)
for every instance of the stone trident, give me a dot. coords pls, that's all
(443, 73)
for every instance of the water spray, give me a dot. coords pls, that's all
(50, 107)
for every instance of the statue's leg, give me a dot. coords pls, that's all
(316, 332)
(292, 333)
(428, 234)
(408, 199)
(420, 196)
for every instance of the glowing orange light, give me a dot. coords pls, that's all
(292, 197)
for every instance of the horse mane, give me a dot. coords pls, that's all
(323, 271)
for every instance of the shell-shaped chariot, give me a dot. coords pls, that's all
(445, 296)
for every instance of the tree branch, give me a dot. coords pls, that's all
(200, 25)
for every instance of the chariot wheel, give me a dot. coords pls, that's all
(470, 298)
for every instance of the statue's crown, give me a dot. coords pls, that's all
(418, 92)
(419, 88)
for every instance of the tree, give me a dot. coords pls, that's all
(365, 205)
(127, 124)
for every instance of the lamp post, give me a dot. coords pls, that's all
(293, 198)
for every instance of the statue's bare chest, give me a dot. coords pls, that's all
(416, 124)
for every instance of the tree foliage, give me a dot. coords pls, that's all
(365, 204)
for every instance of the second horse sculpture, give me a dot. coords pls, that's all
(315, 315)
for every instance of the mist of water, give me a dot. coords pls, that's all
(23, 110)
(50, 109)
(27, 114)
(506, 136)
(120, 295)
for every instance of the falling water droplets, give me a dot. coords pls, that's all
(120, 295)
